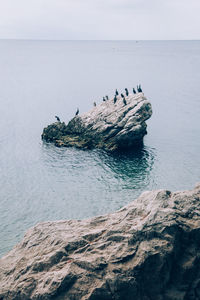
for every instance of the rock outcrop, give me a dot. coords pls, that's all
(148, 250)
(110, 125)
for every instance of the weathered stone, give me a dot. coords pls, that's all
(150, 249)
(110, 125)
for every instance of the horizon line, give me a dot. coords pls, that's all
(95, 40)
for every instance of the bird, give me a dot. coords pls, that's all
(140, 89)
(122, 96)
(57, 118)
(77, 112)
(94, 103)
(104, 99)
(134, 91)
(116, 92)
(107, 97)
(124, 100)
(126, 91)
(115, 99)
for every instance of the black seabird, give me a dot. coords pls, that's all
(124, 100)
(122, 96)
(116, 92)
(134, 91)
(115, 99)
(107, 97)
(77, 112)
(104, 99)
(57, 118)
(94, 104)
(140, 89)
(126, 92)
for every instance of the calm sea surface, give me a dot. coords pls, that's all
(41, 79)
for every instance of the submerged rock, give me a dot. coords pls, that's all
(109, 126)
(150, 249)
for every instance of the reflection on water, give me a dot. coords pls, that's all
(93, 182)
(127, 170)
(133, 167)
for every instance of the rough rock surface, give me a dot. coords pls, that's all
(148, 250)
(110, 125)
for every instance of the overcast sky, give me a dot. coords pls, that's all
(100, 19)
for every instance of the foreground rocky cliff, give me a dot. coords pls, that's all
(110, 125)
(148, 250)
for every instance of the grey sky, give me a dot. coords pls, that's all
(100, 19)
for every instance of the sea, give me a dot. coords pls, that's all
(41, 79)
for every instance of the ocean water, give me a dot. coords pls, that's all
(41, 79)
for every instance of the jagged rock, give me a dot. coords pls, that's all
(148, 250)
(110, 125)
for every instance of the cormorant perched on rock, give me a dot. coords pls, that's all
(57, 118)
(104, 99)
(122, 96)
(124, 100)
(94, 103)
(134, 91)
(115, 99)
(126, 92)
(77, 112)
(116, 92)
(140, 89)
(107, 97)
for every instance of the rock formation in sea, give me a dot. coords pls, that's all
(148, 250)
(109, 126)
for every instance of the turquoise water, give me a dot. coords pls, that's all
(41, 79)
